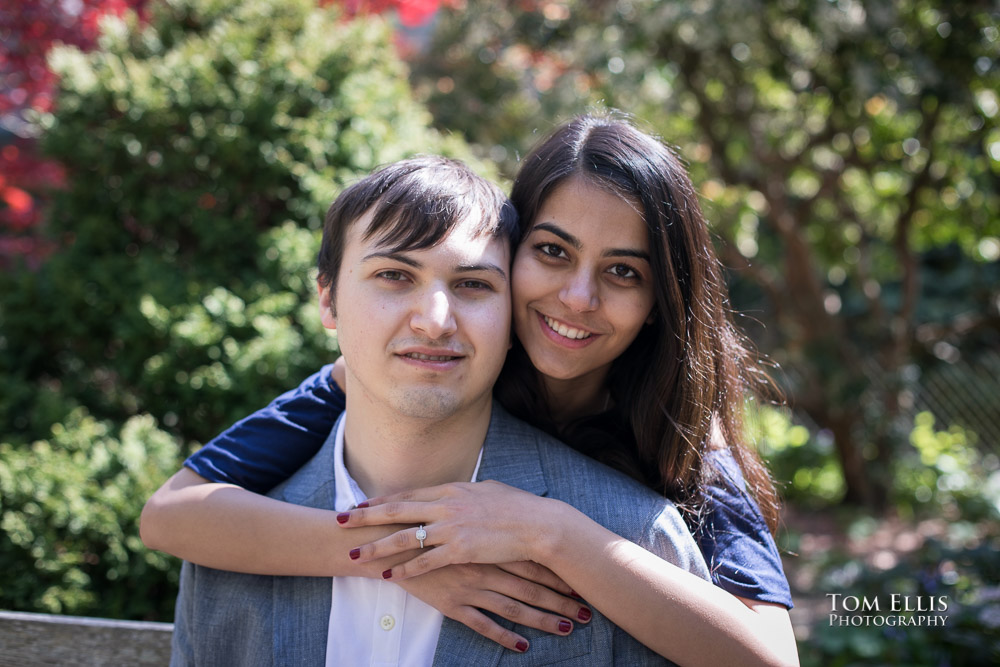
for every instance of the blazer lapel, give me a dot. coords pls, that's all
(301, 605)
(510, 455)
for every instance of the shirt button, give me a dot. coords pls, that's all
(387, 622)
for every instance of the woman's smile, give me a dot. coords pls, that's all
(565, 334)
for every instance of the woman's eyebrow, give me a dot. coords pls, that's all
(626, 252)
(552, 228)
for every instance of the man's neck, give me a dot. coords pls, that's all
(386, 452)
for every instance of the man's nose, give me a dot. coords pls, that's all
(580, 293)
(434, 315)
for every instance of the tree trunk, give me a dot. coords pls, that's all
(863, 488)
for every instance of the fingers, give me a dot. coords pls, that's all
(523, 614)
(487, 627)
(400, 541)
(427, 560)
(389, 513)
(541, 598)
(540, 574)
(506, 594)
(425, 495)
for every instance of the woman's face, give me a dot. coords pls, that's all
(582, 282)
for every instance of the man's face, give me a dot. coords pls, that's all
(422, 331)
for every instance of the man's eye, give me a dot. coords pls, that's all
(394, 276)
(475, 284)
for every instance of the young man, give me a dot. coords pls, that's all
(414, 277)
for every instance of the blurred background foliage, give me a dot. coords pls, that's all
(165, 172)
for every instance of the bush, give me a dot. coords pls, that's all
(202, 150)
(966, 575)
(69, 511)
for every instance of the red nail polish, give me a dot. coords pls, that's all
(521, 646)
(343, 517)
(355, 554)
(387, 574)
(363, 503)
(565, 626)
(575, 595)
(584, 614)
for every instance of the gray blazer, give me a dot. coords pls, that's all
(226, 618)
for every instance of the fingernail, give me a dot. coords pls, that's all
(565, 626)
(521, 646)
(387, 574)
(355, 554)
(583, 614)
(343, 517)
(363, 503)
(575, 594)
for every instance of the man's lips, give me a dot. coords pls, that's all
(429, 357)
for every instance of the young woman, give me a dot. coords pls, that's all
(625, 349)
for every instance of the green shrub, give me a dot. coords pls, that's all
(69, 512)
(803, 465)
(964, 572)
(202, 149)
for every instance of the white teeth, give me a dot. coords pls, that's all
(427, 357)
(564, 330)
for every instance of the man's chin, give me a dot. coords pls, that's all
(427, 403)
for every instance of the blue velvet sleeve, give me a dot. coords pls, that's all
(262, 450)
(733, 536)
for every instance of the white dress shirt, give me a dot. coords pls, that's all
(375, 622)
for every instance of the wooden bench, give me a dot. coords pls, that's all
(45, 639)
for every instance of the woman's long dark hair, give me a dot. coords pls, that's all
(680, 387)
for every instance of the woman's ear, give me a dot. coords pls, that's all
(327, 310)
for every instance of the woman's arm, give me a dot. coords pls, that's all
(227, 527)
(636, 590)
(206, 515)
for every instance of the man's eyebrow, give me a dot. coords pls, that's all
(476, 268)
(395, 256)
(552, 228)
(409, 261)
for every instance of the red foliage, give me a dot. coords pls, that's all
(29, 29)
(412, 13)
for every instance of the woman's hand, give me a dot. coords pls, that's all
(481, 522)
(518, 592)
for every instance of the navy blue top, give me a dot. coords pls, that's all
(264, 449)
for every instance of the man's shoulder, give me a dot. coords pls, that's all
(566, 470)
(525, 457)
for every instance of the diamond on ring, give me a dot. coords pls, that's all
(421, 535)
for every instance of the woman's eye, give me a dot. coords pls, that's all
(624, 271)
(550, 249)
